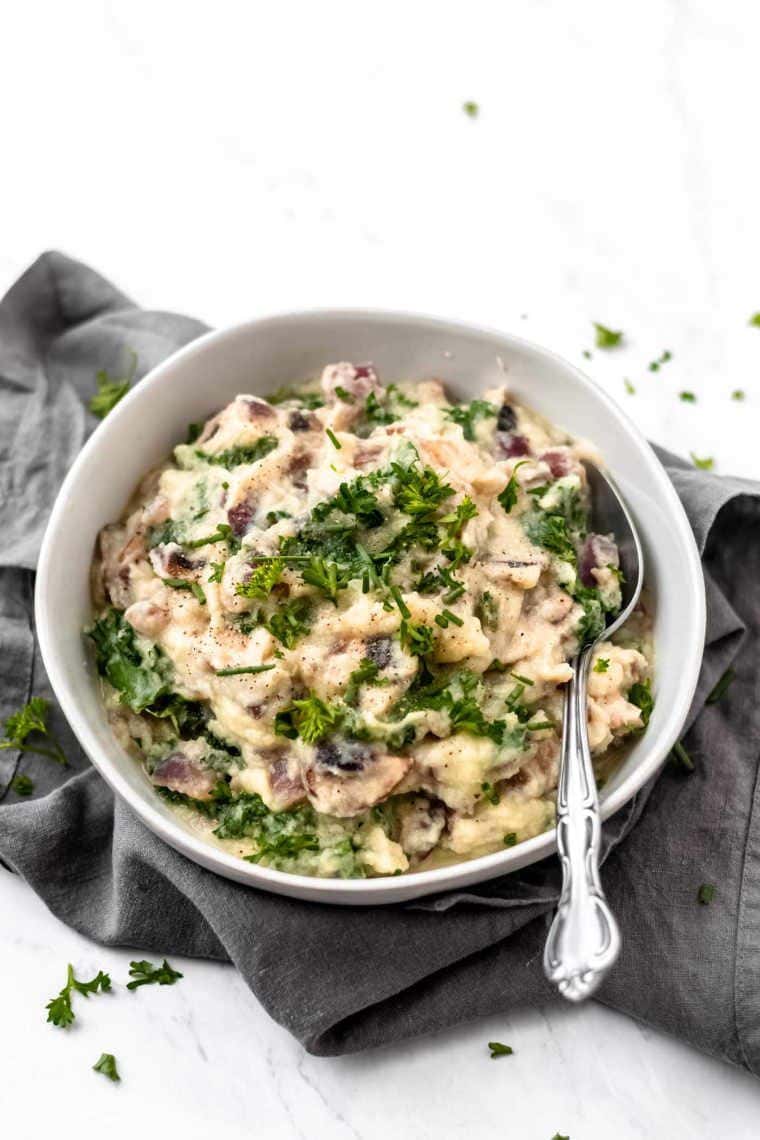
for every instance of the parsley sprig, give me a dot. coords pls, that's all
(31, 721)
(60, 1011)
(144, 973)
(106, 1064)
(111, 390)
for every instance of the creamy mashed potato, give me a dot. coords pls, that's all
(336, 626)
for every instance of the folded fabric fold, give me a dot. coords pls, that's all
(345, 979)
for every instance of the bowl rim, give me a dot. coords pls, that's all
(363, 890)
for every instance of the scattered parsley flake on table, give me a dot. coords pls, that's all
(23, 785)
(111, 390)
(738, 394)
(107, 1066)
(754, 320)
(471, 109)
(720, 687)
(607, 338)
(146, 974)
(706, 893)
(59, 1008)
(499, 1050)
(687, 397)
(629, 387)
(680, 758)
(655, 365)
(30, 720)
(705, 464)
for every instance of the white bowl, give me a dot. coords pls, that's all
(258, 357)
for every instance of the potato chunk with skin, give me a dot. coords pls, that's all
(515, 814)
(453, 769)
(610, 714)
(345, 778)
(382, 855)
(455, 642)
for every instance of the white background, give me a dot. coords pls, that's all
(232, 159)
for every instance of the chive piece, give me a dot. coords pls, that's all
(243, 669)
(333, 439)
(499, 1050)
(523, 680)
(706, 893)
(720, 687)
(510, 839)
(629, 387)
(182, 584)
(447, 618)
(539, 726)
(607, 338)
(687, 397)
(402, 606)
(680, 758)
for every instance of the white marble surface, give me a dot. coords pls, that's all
(235, 159)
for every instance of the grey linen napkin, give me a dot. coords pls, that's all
(345, 979)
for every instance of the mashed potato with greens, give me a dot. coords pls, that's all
(336, 626)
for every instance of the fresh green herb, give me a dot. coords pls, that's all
(490, 794)
(333, 439)
(703, 464)
(521, 679)
(139, 674)
(22, 785)
(146, 974)
(487, 610)
(499, 1050)
(240, 454)
(313, 719)
(539, 726)
(307, 399)
(454, 522)
(447, 618)
(720, 687)
(243, 669)
(738, 394)
(223, 533)
(419, 490)
(663, 359)
(107, 1066)
(687, 397)
(510, 839)
(441, 579)
(602, 665)
(550, 531)
(275, 516)
(279, 836)
(754, 320)
(59, 1008)
(471, 109)
(607, 338)
(111, 390)
(640, 695)
(557, 1136)
(364, 674)
(629, 387)
(586, 354)
(290, 621)
(403, 608)
(706, 893)
(262, 580)
(32, 721)
(193, 431)
(217, 572)
(680, 758)
(467, 416)
(343, 395)
(326, 576)
(417, 638)
(195, 588)
(508, 497)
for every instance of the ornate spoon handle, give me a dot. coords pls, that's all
(584, 939)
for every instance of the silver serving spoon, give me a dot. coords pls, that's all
(584, 939)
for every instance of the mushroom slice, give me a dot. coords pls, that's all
(345, 778)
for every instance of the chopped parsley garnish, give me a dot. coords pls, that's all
(217, 572)
(31, 721)
(586, 354)
(418, 490)
(195, 588)
(311, 719)
(467, 416)
(243, 669)
(262, 580)
(662, 359)
(706, 893)
(241, 453)
(738, 394)
(59, 1008)
(629, 387)
(417, 638)
(441, 579)
(307, 399)
(681, 759)
(640, 695)
(719, 690)
(333, 439)
(601, 665)
(508, 497)
(289, 621)
(471, 109)
(687, 397)
(490, 794)
(754, 320)
(326, 576)
(146, 974)
(343, 395)
(364, 674)
(499, 1050)
(550, 531)
(111, 390)
(193, 431)
(22, 785)
(706, 464)
(106, 1065)
(275, 516)
(607, 338)
(510, 839)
